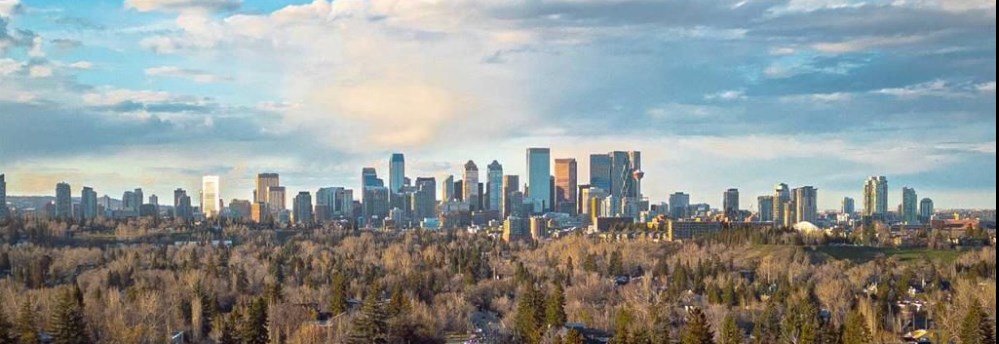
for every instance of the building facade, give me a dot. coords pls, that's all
(494, 186)
(566, 185)
(766, 208)
(679, 206)
(88, 203)
(910, 204)
(302, 208)
(876, 197)
(470, 186)
(539, 192)
(210, 197)
(730, 205)
(64, 201)
(806, 204)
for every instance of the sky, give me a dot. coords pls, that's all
(715, 93)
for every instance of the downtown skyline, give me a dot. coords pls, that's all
(144, 93)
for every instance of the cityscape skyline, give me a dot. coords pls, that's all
(121, 94)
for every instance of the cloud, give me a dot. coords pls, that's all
(936, 88)
(687, 112)
(9, 66)
(195, 75)
(989, 87)
(866, 43)
(729, 95)
(81, 65)
(9, 7)
(183, 5)
(40, 71)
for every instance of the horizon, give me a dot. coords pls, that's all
(716, 94)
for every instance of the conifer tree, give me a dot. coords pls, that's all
(67, 322)
(976, 327)
(856, 331)
(254, 327)
(697, 330)
(226, 331)
(731, 333)
(573, 337)
(555, 316)
(25, 327)
(660, 328)
(6, 328)
(369, 327)
(338, 299)
(527, 321)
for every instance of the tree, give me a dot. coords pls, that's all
(555, 316)
(226, 331)
(6, 328)
(801, 323)
(660, 327)
(369, 327)
(615, 267)
(24, 327)
(399, 303)
(697, 330)
(731, 333)
(68, 326)
(590, 263)
(976, 327)
(338, 299)
(856, 331)
(573, 337)
(254, 328)
(529, 317)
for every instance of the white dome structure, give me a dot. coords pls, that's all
(807, 227)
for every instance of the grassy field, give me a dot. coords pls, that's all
(866, 254)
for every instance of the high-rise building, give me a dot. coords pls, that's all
(210, 196)
(679, 206)
(154, 200)
(635, 175)
(494, 186)
(425, 199)
(539, 176)
(264, 182)
(849, 206)
(276, 201)
(730, 204)
(138, 199)
(369, 178)
(470, 186)
(447, 188)
(910, 204)
(766, 206)
(240, 209)
(344, 206)
(600, 171)
(182, 205)
(782, 197)
(397, 173)
(302, 208)
(64, 201)
(806, 204)
(376, 204)
(3, 197)
(88, 203)
(876, 197)
(511, 184)
(926, 210)
(565, 185)
(326, 203)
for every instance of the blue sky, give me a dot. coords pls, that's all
(715, 93)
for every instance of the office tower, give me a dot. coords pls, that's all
(926, 210)
(3, 197)
(806, 204)
(302, 208)
(730, 204)
(425, 199)
(64, 201)
(276, 199)
(679, 206)
(178, 211)
(635, 175)
(600, 171)
(782, 197)
(511, 184)
(369, 178)
(263, 183)
(210, 196)
(580, 200)
(184, 209)
(539, 174)
(376, 203)
(592, 198)
(447, 188)
(470, 186)
(397, 173)
(326, 203)
(344, 206)
(154, 200)
(138, 199)
(459, 191)
(494, 187)
(88, 203)
(766, 207)
(517, 206)
(849, 206)
(240, 209)
(876, 197)
(910, 210)
(565, 185)
(127, 200)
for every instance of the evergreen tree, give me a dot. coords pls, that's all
(555, 316)
(399, 303)
(800, 323)
(6, 328)
(369, 327)
(615, 267)
(697, 330)
(338, 299)
(976, 327)
(25, 326)
(590, 263)
(527, 321)
(226, 331)
(660, 328)
(731, 333)
(254, 328)
(573, 337)
(68, 326)
(856, 331)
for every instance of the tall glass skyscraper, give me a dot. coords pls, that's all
(806, 204)
(470, 186)
(64, 201)
(566, 185)
(494, 186)
(3, 197)
(539, 178)
(876, 196)
(88, 203)
(397, 173)
(264, 182)
(600, 171)
(910, 204)
(210, 196)
(782, 197)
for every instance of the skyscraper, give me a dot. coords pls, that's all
(766, 208)
(635, 175)
(679, 206)
(447, 189)
(876, 197)
(782, 197)
(511, 184)
(88, 203)
(470, 186)
(376, 204)
(182, 205)
(276, 201)
(326, 203)
(730, 204)
(369, 177)
(600, 171)
(565, 185)
(264, 182)
(3, 197)
(926, 210)
(539, 176)
(806, 204)
(210, 196)
(397, 173)
(494, 186)
(425, 198)
(910, 210)
(344, 205)
(302, 208)
(64, 201)
(849, 206)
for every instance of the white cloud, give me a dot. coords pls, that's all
(937, 88)
(81, 65)
(729, 95)
(9, 7)
(783, 51)
(183, 5)
(9, 66)
(989, 87)
(195, 75)
(681, 112)
(36, 50)
(40, 71)
(866, 43)
(109, 96)
(819, 98)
